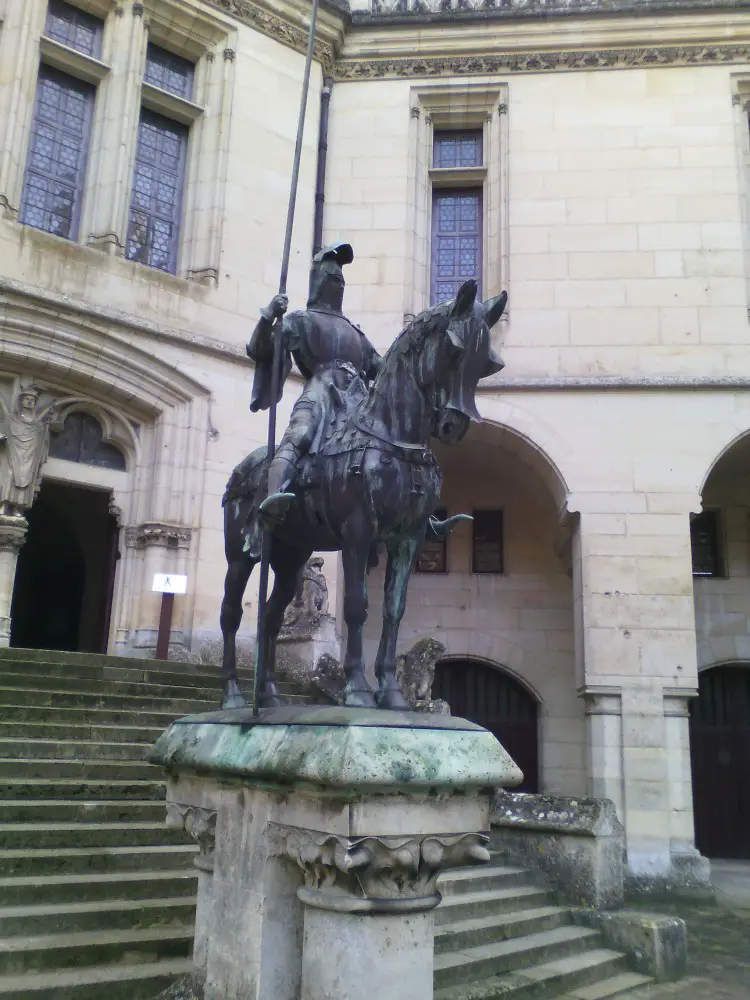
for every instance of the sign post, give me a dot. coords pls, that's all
(167, 584)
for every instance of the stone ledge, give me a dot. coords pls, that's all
(656, 944)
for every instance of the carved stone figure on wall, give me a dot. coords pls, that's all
(24, 444)
(311, 600)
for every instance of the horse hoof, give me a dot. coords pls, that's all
(359, 698)
(392, 700)
(232, 698)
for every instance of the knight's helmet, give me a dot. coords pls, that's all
(326, 265)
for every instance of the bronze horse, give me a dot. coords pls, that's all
(372, 481)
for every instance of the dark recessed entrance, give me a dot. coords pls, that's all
(63, 591)
(720, 755)
(491, 698)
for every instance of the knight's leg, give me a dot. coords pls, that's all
(283, 469)
(401, 558)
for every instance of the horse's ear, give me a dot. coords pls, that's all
(494, 308)
(495, 364)
(464, 301)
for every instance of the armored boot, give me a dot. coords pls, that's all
(280, 477)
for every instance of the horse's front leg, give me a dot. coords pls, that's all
(355, 555)
(401, 558)
(238, 573)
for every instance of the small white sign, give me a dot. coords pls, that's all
(169, 583)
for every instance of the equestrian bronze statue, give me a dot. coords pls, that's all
(354, 472)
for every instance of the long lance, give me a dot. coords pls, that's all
(259, 685)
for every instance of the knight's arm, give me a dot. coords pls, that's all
(371, 360)
(260, 349)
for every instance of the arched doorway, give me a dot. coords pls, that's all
(720, 754)
(480, 693)
(65, 574)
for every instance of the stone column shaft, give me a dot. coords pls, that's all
(12, 536)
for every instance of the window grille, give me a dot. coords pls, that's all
(487, 543)
(81, 440)
(169, 72)
(58, 150)
(457, 149)
(433, 556)
(456, 241)
(73, 27)
(153, 233)
(704, 543)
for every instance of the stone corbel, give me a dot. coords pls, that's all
(7, 211)
(200, 824)
(13, 530)
(149, 533)
(375, 874)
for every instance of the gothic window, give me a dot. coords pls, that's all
(73, 27)
(81, 440)
(487, 542)
(704, 543)
(456, 240)
(155, 208)
(169, 72)
(457, 149)
(58, 149)
(433, 556)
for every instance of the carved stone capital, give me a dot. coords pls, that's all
(137, 10)
(375, 874)
(414, 111)
(229, 55)
(200, 824)
(13, 530)
(157, 533)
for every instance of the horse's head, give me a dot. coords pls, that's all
(463, 356)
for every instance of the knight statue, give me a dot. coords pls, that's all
(329, 351)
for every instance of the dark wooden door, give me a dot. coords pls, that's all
(720, 754)
(482, 694)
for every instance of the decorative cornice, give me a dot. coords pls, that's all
(156, 533)
(541, 62)
(275, 27)
(437, 11)
(375, 874)
(614, 383)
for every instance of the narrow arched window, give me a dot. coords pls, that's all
(81, 440)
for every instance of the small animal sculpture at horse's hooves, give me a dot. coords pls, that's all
(368, 481)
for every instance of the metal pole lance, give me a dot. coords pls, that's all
(259, 686)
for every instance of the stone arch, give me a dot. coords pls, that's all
(116, 429)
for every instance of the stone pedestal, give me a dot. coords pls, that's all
(331, 829)
(12, 536)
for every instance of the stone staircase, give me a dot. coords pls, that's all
(499, 935)
(97, 896)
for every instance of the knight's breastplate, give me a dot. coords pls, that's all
(330, 339)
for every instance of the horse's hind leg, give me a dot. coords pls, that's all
(238, 573)
(358, 693)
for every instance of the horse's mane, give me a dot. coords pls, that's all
(414, 335)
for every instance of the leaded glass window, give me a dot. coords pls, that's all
(81, 440)
(704, 543)
(169, 72)
(487, 542)
(73, 27)
(457, 149)
(153, 234)
(433, 556)
(58, 150)
(456, 241)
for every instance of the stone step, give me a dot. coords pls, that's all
(467, 905)
(498, 927)
(82, 788)
(88, 659)
(73, 860)
(211, 693)
(94, 715)
(115, 982)
(547, 980)
(82, 730)
(49, 767)
(62, 698)
(183, 674)
(51, 889)
(482, 961)
(68, 749)
(481, 879)
(62, 810)
(612, 987)
(118, 914)
(15, 836)
(63, 951)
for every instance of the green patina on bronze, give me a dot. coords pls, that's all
(342, 750)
